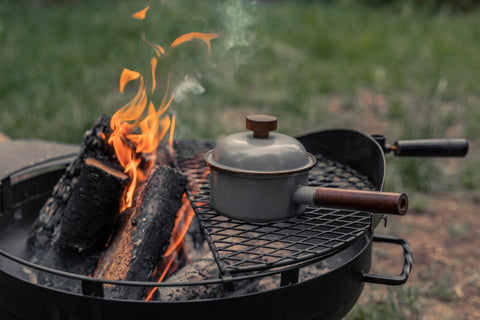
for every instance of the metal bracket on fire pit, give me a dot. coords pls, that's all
(6, 192)
(289, 277)
(92, 288)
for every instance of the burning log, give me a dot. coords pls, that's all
(144, 234)
(88, 219)
(87, 223)
(202, 269)
(94, 146)
(205, 269)
(77, 220)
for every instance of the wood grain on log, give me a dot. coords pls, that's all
(144, 235)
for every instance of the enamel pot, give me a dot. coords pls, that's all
(262, 176)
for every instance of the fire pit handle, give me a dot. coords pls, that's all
(407, 264)
(424, 147)
(431, 148)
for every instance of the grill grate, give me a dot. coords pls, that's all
(240, 246)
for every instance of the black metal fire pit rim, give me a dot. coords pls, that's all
(62, 160)
(330, 151)
(99, 280)
(7, 181)
(90, 280)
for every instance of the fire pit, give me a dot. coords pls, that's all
(311, 266)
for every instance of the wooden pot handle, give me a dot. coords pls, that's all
(372, 201)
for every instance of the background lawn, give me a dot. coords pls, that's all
(398, 69)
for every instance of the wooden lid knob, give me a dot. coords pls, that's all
(261, 125)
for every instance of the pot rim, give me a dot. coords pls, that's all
(215, 165)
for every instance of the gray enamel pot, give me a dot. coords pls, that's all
(262, 176)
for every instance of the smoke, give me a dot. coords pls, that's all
(235, 23)
(238, 22)
(188, 85)
(212, 74)
(238, 37)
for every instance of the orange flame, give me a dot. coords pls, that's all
(158, 49)
(153, 63)
(129, 144)
(127, 76)
(133, 135)
(137, 131)
(195, 35)
(140, 15)
(172, 129)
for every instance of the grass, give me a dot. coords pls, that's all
(61, 65)
(441, 285)
(397, 303)
(311, 63)
(460, 231)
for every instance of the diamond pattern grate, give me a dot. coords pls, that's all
(240, 246)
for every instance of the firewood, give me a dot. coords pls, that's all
(94, 146)
(144, 234)
(89, 216)
(86, 225)
(202, 269)
(206, 269)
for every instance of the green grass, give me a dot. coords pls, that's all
(60, 66)
(398, 303)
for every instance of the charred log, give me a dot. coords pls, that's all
(87, 222)
(89, 216)
(207, 269)
(94, 146)
(144, 234)
(202, 269)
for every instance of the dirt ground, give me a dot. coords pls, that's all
(446, 259)
(444, 237)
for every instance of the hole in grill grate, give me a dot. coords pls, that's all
(240, 246)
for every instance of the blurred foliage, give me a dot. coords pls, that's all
(308, 62)
(398, 304)
(435, 5)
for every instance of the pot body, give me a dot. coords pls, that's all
(256, 198)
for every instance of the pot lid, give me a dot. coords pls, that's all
(260, 151)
